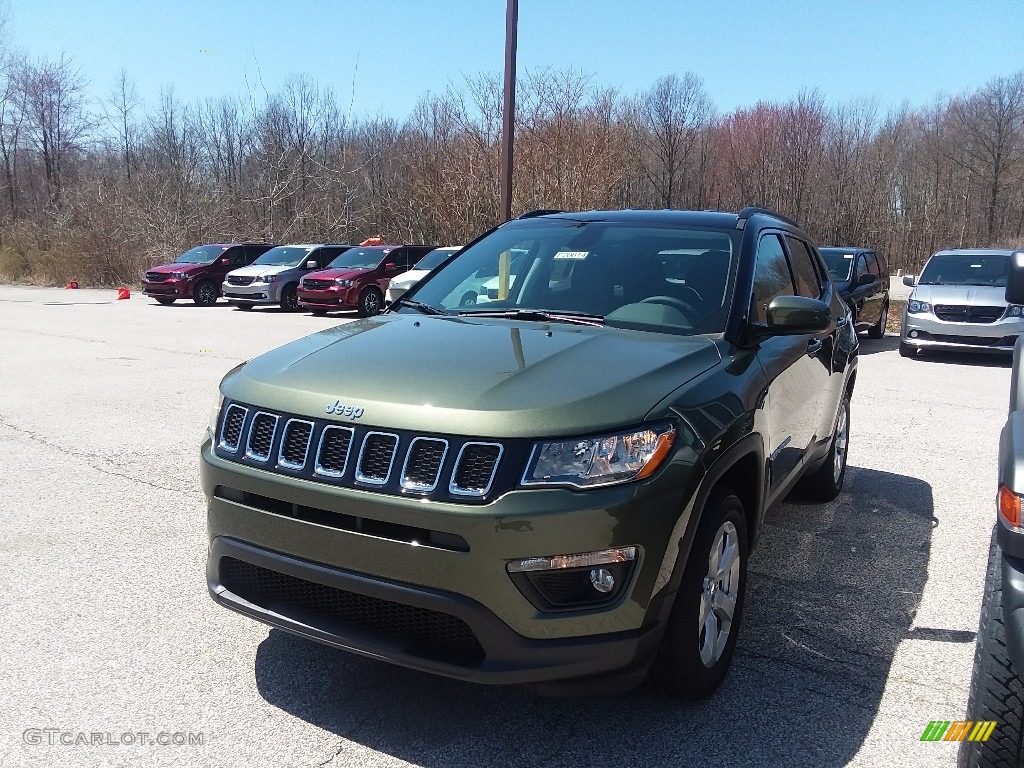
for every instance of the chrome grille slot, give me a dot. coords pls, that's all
(231, 428)
(295, 444)
(423, 464)
(316, 285)
(261, 436)
(156, 277)
(968, 313)
(332, 455)
(376, 457)
(240, 279)
(475, 469)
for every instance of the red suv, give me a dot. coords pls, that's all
(358, 278)
(198, 273)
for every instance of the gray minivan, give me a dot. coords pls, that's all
(274, 277)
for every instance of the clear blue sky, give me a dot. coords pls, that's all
(896, 50)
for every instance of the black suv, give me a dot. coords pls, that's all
(564, 487)
(862, 278)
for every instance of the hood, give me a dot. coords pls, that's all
(333, 274)
(482, 377)
(407, 279)
(975, 295)
(261, 269)
(166, 269)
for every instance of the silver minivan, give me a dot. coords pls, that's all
(274, 277)
(959, 304)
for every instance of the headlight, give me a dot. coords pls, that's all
(344, 282)
(215, 415)
(265, 279)
(604, 460)
(179, 275)
(916, 307)
(1014, 310)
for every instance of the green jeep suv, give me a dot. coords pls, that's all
(559, 488)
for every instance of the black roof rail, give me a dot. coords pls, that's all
(750, 210)
(538, 212)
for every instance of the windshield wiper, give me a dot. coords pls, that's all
(574, 318)
(426, 309)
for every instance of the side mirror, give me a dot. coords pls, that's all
(389, 267)
(311, 264)
(795, 315)
(226, 262)
(1015, 281)
(910, 280)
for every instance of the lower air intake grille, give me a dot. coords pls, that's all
(423, 632)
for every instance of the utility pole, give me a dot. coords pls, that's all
(508, 123)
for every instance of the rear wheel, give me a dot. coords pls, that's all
(700, 637)
(205, 293)
(290, 297)
(165, 300)
(997, 691)
(877, 330)
(369, 302)
(825, 483)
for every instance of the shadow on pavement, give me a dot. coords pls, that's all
(832, 592)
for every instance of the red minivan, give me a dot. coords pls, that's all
(358, 278)
(198, 273)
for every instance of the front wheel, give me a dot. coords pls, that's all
(205, 293)
(877, 330)
(369, 302)
(700, 637)
(825, 483)
(997, 691)
(290, 298)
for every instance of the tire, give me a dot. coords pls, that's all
(319, 312)
(686, 665)
(877, 330)
(290, 297)
(164, 300)
(369, 302)
(244, 307)
(825, 483)
(997, 691)
(907, 350)
(205, 293)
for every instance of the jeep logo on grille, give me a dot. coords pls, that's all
(338, 408)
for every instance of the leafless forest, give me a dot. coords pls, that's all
(97, 190)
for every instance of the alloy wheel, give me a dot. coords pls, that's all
(718, 596)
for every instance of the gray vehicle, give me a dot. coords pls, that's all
(274, 277)
(958, 304)
(996, 701)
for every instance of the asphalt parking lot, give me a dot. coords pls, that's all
(860, 624)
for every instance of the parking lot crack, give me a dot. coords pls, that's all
(90, 459)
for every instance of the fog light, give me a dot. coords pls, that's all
(602, 580)
(913, 334)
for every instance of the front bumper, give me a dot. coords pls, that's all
(518, 644)
(178, 289)
(395, 293)
(925, 331)
(329, 298)
(254, 293)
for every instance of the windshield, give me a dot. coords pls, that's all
(358, 258)
(434, 258)
(283, 256)
(966, 269)
(645, 277)
(201, 254)
(839, 262)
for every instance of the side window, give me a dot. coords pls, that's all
(883, 269)
(808, 282)
(324, 256)
(235, 255)
(861, 267)
(250, 253)
(771, 277)
(872, 264)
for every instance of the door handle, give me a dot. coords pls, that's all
(813, 347)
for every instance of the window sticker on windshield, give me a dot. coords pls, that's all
(848, 256)
(571, 255)
(975, 266)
